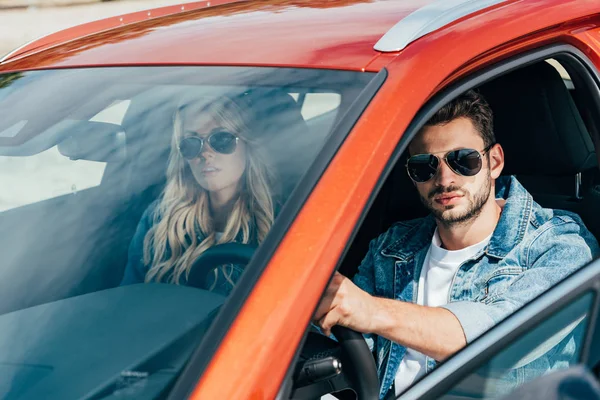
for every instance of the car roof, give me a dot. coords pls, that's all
(338, 34)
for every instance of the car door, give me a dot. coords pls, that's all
(567, 311)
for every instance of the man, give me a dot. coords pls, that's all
(427, 287)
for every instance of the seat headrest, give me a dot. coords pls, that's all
(284, 135)
(274, 111)
(537, 123)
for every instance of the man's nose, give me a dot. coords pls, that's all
(445, 176)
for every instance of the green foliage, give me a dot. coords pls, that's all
(8, 79)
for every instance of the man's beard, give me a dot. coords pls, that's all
(473, 210)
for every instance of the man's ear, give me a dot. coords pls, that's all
(496, 157)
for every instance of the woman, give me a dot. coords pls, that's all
(218, 190)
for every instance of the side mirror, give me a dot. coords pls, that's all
(94, 141)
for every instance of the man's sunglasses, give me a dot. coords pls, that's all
(465, 162)
(222, 142)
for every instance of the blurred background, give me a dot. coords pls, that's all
(24, 20)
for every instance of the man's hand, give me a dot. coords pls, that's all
(433, 331)
(345, 304)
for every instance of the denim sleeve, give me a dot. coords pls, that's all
(557, 251)
(135, 271)
(365, 279)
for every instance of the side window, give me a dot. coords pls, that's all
(43, 176)
(31, 178)
(114, 114)
(317, 104)
(319, 109)
(555, 344)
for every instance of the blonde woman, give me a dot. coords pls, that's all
(218, 190)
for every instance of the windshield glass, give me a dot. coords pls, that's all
(132, 200)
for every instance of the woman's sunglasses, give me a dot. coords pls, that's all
(222, 142)
(465, 162)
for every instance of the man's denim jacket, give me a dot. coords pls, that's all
(531, 249)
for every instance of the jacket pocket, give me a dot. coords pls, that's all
(498, 282)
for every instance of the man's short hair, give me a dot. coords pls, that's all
(469, 105)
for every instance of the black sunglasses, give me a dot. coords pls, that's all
(222, 142)
(465, 162)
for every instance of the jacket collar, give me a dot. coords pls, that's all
(514, 218)
(508, 233)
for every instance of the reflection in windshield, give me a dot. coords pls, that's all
(118, 181)
(8, 79)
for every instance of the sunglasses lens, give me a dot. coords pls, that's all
(422, 167)
(466, 162)
(190, 147)
(223, 142)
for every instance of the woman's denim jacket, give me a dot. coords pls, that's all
(531, 249)
(136, 269)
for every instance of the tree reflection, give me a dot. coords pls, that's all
(7, 79)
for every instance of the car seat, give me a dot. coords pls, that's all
(546, 143)
(283, 136)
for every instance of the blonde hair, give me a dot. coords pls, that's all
(173, 243)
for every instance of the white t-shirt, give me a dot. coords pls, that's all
(439, 268)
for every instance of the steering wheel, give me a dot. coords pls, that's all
(225, 253)
(314, 376)
(357, 370)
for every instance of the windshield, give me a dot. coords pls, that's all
(132, 200)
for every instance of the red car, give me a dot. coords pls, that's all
(339, 89)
